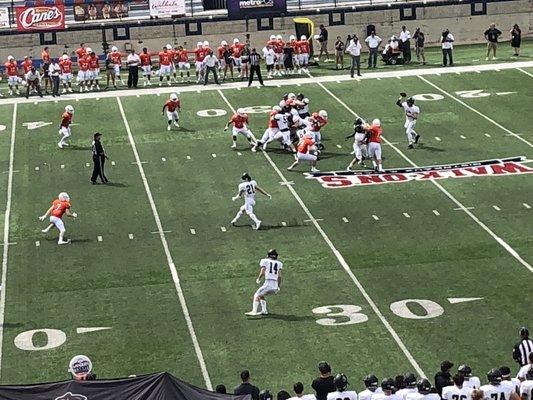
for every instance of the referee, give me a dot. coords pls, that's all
(99, 157)
(255, 67)
(524, 348)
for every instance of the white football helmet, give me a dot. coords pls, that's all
(63, 196)
(235, 41)
(272, 37)
(279, 37)
(223, 43)
(88, 50)
(69, 109)
(376, 122)
(10, 58)
(305, 100)
(241, 112)
(276, 108)
(199, 44)
(64, 57)
(206, 43)
(292, 37)
(303, 37)
(323, 114)
(173, 97)
(114, 48)
(292, 96)
(282, 103)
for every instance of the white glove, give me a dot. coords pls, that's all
(74, 215)
(258, 281)
(234, 198)
(42, 217)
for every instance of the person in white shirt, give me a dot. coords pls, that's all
(472, 382)
(526, 388)
(270, 59)
(211, 65)
(494, 390)
(405, 37)
(371, 384)
(54, 70)
(411, 116)
(507, 380)
(458, 391)
(409, 381)
(341, 383)
(299, 392)
(247, 190)
(133, 61)
(354, 49)
(424, 392)
(372, 43)
(387, 387)
(270, 269)
(33, 82)
(447, 40)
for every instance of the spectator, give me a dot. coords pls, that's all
(54, 71)
(221, 389)
(443, 377)
(246, 387)
(299, 391)
(283, 395)
(211, 65)
(33, 82)
(255, 67)
(323, 384)
(323, 40)
(372, 43)
(419, 38)
(516, 39)
(525, 369)
(492, 35)
(447, 40)
(354, 49)
(339, 53)
(405, 38)
(133, 62)
(46, 76)
(524, 348)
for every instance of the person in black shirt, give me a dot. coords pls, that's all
(246, 387)
(323, 384)
(516, 39)
(419, 39)
(323, 40)
(228, 62)
(492, 35)
(99, 157)
(255, 67)
(288, 57)
(443, 377)
(339, 53)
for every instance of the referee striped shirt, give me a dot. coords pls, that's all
(523, 350)
(254, 59)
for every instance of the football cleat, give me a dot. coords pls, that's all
(417, 138)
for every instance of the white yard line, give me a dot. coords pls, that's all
(498, 239)
(341, 260)
(282, 82)
(525, 72)
(170, 260)
(6, 232)
(503, 128)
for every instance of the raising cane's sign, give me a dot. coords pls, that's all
(344, 179)
(40, 18)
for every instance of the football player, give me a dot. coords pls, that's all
(360, 143)
(165, 65)
(315, 124)
(200, 53)
(507, 380)
(146, 65)
(494, 390)
(424, 392)
(182, 55)
(66, 73)
(12, 75)
(64, 126)
(374, 144)
(116, 57)
(472, 382)
(172, 107)
(458, 391)
(240, 125)
(526, 388)
(372, 386)
(83, 76)
(247, 189)
(270, 269)
(387, 387)
(409, 380)
(94, 70)
(307, 151)
(303, 50)
(341, 384)
(236, 51)
(411, 116)
(59, 207)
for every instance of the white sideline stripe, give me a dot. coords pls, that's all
(285, 82)
(341, 260)
(170, 260)
(503, 128)
(498, 239)
(6, 232)
(525, 72)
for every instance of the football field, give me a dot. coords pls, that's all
(386, 275)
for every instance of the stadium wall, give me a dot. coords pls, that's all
(461, 19)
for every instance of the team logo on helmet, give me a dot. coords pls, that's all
(71, 396)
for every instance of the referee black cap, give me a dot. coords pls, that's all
(524, 331)
(324, 367)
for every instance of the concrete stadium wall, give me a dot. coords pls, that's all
(465, 27)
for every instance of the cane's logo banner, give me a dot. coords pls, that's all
(253, 8)
(40, 18)
(496, 167)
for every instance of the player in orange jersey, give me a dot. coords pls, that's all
(374, 144)
(66, 73)
(303, 50)
(146, 65)
(240, 125)
(237, 49)
(116, 57)
(182, 57)
(307, 151)
(64, 126)
(59, 207)
(165, 65)
(172, 106)
(94, 70)
(12, 75)
(84, 75)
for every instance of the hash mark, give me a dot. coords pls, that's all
(496, 208)
(339, 146)
(62, 166)
(437, 138)
(463, 137)
(398, 77)
(113, 163)
(213, 155)
(378, 79)
(487, 135)
(375, 217)
(338, 81)
(77, 99)
(345, 219)
(36, 168)
(188, 157)
(406, 215)
(37, 243)
(436, 213)
(283, 223)
(100, 238)
(87, 164)
(130, 236)
(239, 153)
(526, 205)
(223, 228)
(193, 232)
(163, 159)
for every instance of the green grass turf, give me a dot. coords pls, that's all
(126, 284)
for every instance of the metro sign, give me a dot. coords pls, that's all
(496, 167)
(40, 18)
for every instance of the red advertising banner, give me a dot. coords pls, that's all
(40, 18)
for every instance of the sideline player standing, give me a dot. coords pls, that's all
(59, 206)
(64, 127)
(411, 116)
(146, 65)
(270, 269)
(247, 190)
(173, 105)
(495, 390)
(12, 75)
(240, 125)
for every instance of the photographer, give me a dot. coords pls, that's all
(447, 48)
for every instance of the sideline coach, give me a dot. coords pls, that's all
(99, 157)
(255, 67)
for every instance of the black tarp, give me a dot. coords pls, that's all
(160, 386)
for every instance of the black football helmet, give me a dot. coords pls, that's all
(341, 382)
(409, 380)
(272, 253)
(464, 370)
(265, 395)
(410, 101)
(494, 376)
(246, 177)
(424, 386)
(387, 384)
(371, 381)
(300, 96)
(285, 96)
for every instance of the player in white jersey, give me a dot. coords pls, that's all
(360, 150)
(247, 190)
(409, 380)
(387, 387)
(411, 116)
(472, 382)
(494, 390)
(458, 391)
(526, 387)
(507, 380)
(298, 388)
(371, 384)
(270, 269)
(424, 392)
(341, 383)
